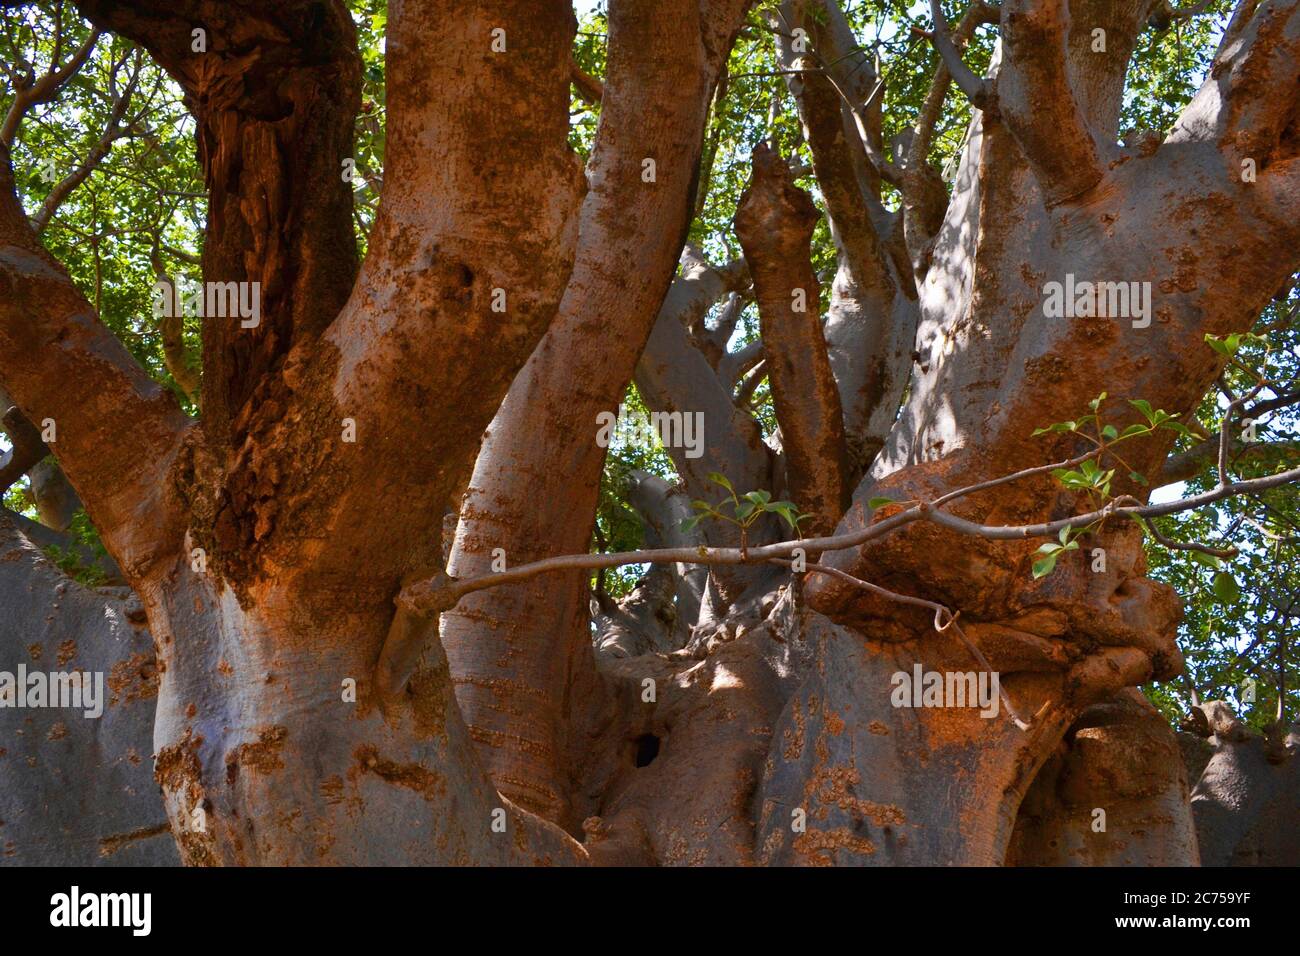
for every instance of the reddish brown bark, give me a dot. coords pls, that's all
(274, 94)
(774, 222)
(521, 657)
(772, 707)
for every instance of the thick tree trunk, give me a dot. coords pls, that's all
(1113, 794)
(275, 90)
(306, 713)
(76, 790)
(1247, 798)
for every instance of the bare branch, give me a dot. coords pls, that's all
(977, 89)
(1188, 464)
(928, 116)
(589, 88)
(1173, 545)
(443, 593)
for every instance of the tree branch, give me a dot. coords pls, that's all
(590, 89)
(977, 89)
(98, 152)
(172, 325)
(275, 92)
(442, 593)
(674, 376)
(45, 89)
(1188, 464)
(26, 451)
(1249, 97)
(1038, 103)
(774, 221)
(116, 431)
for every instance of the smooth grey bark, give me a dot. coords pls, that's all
(77, 791)
(665, 508)
(56, 500)
(1246, 803)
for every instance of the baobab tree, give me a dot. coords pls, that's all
(363, 525)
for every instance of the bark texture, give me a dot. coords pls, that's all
(77, 790)
(521, 655)
(307, 713)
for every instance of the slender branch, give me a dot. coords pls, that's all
(45, 89)
(443, 593)
(1187, 464)
(589, 88)
(977, 89)
(1173, 545)
(928, 116)
(113, 131)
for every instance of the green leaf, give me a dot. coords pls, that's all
(1140, 478)
(1143, 406)
(879, 502)
(759, 498)
(1045, 566)
(1110, 433)
(1226, 588)
(1058, 427)
(1208, 560)
(787, 512)
(720, 479)
(1219, 345)
(1095, 404)
(1230, 345)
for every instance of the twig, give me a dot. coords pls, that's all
(944, 619)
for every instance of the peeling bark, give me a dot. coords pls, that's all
(274, 95)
